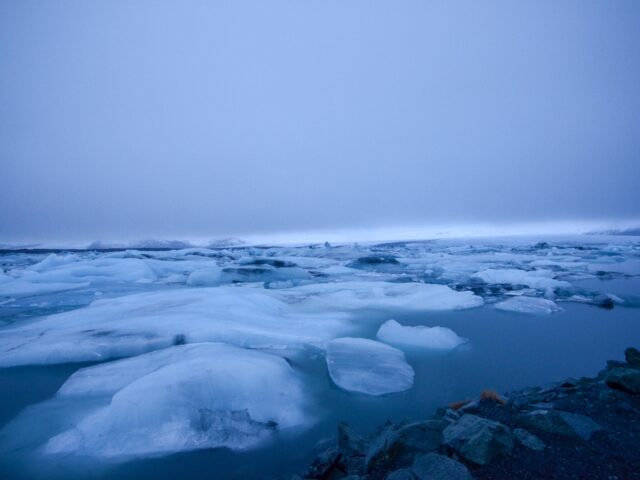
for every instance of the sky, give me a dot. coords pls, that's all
(153, 118)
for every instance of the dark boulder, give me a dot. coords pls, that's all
(528, 439)
(402, 474)
(560, 423)
(394, 447)
(626, 379)
(478, 439)
(433, 466)
(632, 356)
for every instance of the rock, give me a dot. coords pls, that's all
(433, 466)
(627, 379)
(632, 356)
(611, 364)
(325, 465)
(402, 474)
(348, 442)
(625, 407)
(527, 439)
(560, 423)
(478, 439)
(351, 449)
(393, 447)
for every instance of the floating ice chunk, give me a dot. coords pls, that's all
(135, 324)
(339, 270)
(540, 306)
(182, 398)
(68, 272)
(205, 277)
(53, 261)
(414, 296)
(366, 366)
(441, 338)
(24, 288)
(539, 279)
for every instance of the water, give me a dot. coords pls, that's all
(506, 351)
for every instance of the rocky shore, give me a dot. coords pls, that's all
(576, 429)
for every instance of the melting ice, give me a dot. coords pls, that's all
(199, 347)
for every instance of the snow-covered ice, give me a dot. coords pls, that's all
(182, 398)
(135, 324)
(440, 338)
(523, 304)
(254, 317)
(164, 309)
(412, 296)
(541, 279)
(366, 366)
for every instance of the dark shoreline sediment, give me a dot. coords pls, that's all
(579, 428)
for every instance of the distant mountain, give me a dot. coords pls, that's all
(225, 243)
(141, 244)
(632, 231)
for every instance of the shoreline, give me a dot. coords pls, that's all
(577, 428)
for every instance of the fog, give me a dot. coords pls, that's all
(123, 119)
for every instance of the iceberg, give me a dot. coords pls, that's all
(439, 338)
(205, 277)
(372, 294)
(135, 324)
(366, 366)
(182, 398)
(539, 279)
(535, 305)
(244, 316)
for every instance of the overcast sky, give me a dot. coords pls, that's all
(123, 119)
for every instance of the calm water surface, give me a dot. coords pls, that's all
(506, 351)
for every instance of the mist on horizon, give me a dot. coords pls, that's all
(178, 119)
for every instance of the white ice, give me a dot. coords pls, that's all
(135, 324)
(366, 366)
(540, 279)
(410, 295)
(182, 398)
(256, 317)
(439, 338)
(523, 304)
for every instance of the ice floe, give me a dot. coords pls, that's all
(371, 294)
(439, 338)
(135, 324)
(182, 398)
(540, 279)
(524, 304)
(255, 317)
(366, 366)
